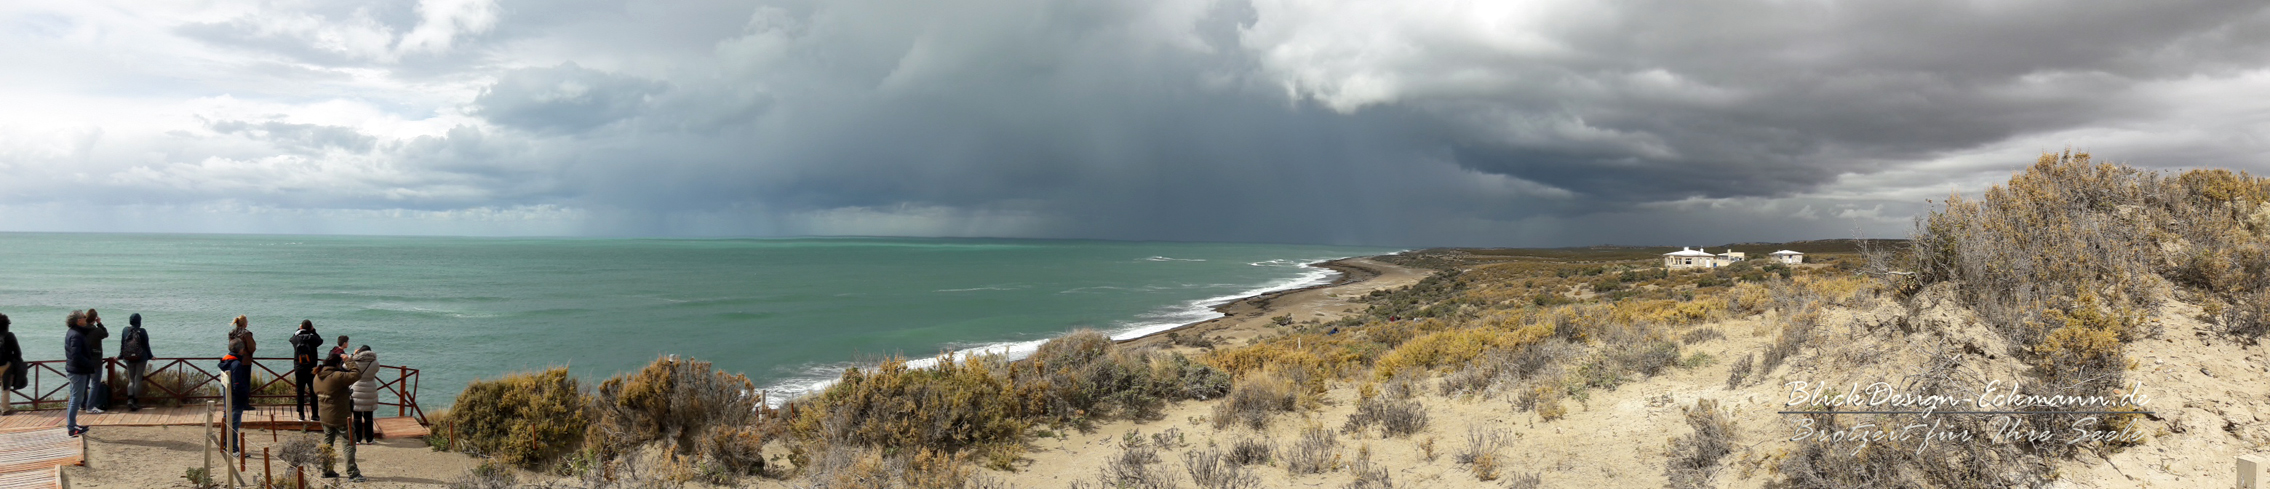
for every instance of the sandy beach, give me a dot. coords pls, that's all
(1246, 318)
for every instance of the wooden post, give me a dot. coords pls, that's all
(300, 474)
(266, 468)
(272, 436)
(228, 402)
(208, 439)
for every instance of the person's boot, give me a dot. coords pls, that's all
(133, 404)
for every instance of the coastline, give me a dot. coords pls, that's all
(1249, 316)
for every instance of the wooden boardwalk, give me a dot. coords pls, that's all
(30, 459)
(261, 417)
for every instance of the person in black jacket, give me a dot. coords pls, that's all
(304, 346)
(82, 355)
(134, 348)
(11, 367)
(238, 367)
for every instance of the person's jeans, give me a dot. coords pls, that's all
(78, 399)
(235, 442)
(134, 371)
(331, 434)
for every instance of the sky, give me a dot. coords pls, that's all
(1353, 122)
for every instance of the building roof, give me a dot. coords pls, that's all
(1786, 252)
(1688, 252)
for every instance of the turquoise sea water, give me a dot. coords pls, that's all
(786, 312)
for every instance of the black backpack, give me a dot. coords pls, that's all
(136, 342)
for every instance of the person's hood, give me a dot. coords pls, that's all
(366, 356)
(134, 320)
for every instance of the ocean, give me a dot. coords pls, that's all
(789, 313)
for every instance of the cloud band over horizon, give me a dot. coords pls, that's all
(1544, 123)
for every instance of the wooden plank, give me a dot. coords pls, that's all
(402, 427)
(38, 453)
(37, 479)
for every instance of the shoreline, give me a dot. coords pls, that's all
(1355, 271)
(1249, 315)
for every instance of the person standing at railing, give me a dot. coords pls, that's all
(304, 345)
(134, 349)
(242, 335)
(334, 387)
(238, 367)
(12, 375)
(82, 360)
(366, 396)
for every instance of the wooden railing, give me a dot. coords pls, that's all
(186, 381)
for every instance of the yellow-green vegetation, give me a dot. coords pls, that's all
(525, 419)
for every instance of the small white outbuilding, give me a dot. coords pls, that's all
(1688, 258)
(1788, 257)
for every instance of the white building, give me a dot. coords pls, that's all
(1729, 257)
(1788, 257)
(1689, 258)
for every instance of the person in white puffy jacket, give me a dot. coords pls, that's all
(365, 397)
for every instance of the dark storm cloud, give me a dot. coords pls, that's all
(1511, 123)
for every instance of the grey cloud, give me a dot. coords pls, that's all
(564, 98)
(1543, 123)
(305, 138)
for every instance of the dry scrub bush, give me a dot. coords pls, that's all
(1525, 481)
(1251, 451)
(1794, 333)
(1740, 372)
(2248, 318)
(851, 467)
(957, 404)
(1211, 470)
(2069, 230)
(1700, 335)
(1317, 451)
(1695, 457)
(1254, 400)
(695, 410)
(1393, 417)
(1481, 454)
(1368, 475)
(1134, 467)
(524, 419)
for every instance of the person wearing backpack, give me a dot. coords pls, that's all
(304, 344)
(134, 348)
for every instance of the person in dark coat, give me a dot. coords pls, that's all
(11, 367)
(305, 344)
(82, 360)
(334, 387)
(238, 366)
(134, 349)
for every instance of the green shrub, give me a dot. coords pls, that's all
(524, 419)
